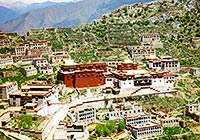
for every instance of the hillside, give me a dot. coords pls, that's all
(7, 14)
(68, 15)
(177, 23)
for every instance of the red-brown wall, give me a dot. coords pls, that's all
(84, 75)
(89, 79)
(69, 80)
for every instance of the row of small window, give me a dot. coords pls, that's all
(171, 66)
(42, 61)
(20, 49)
(151, 37)
(113, 63)
(86, 114)
(170, 121)
(121, 113)
(138, 122)
(109, 79)
(83, 118)
(170, 77)
(150, 132)
(143, 52)
(141, 118)
(150, 128)
(170, 82)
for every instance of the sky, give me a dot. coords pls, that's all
(33, 1)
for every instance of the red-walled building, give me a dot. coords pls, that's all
(82, 75)
(127, 65)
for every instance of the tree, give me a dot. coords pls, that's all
(121, 125)
(99, 130)
(106, 131)
(111, 126)
(25, 121)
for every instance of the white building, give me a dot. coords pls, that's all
(119, 110)
(19, 50)
(192, 108)
(8, 88)
(150, 37)
(29, 70)
(71, 132)
(166, 63)
(58, 57)
(35, 45)
(25, 59)
(138, 119)
(141, 52)
(5, 59)
(145, 130)
(195, 72)
(40, 62)
(129, 81)
(83, 114)
(165, 119)
(37, 94)
(169, 122)
(46, 69)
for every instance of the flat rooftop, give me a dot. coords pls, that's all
(37, 86)
(145, 125)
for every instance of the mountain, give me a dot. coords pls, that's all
(7, 14)
(35, 6)
(67, 15)
(23, 8)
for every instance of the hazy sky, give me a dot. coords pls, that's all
(33, 1)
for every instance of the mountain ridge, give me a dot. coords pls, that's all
(61, 15)
(7, 14)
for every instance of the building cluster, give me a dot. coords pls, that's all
(25, 53)
(140, 124)
(147, 48)
(34, 97)
(28, 48)
(123, 79)
(128, 79)
(31, 53)
(40, 65)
